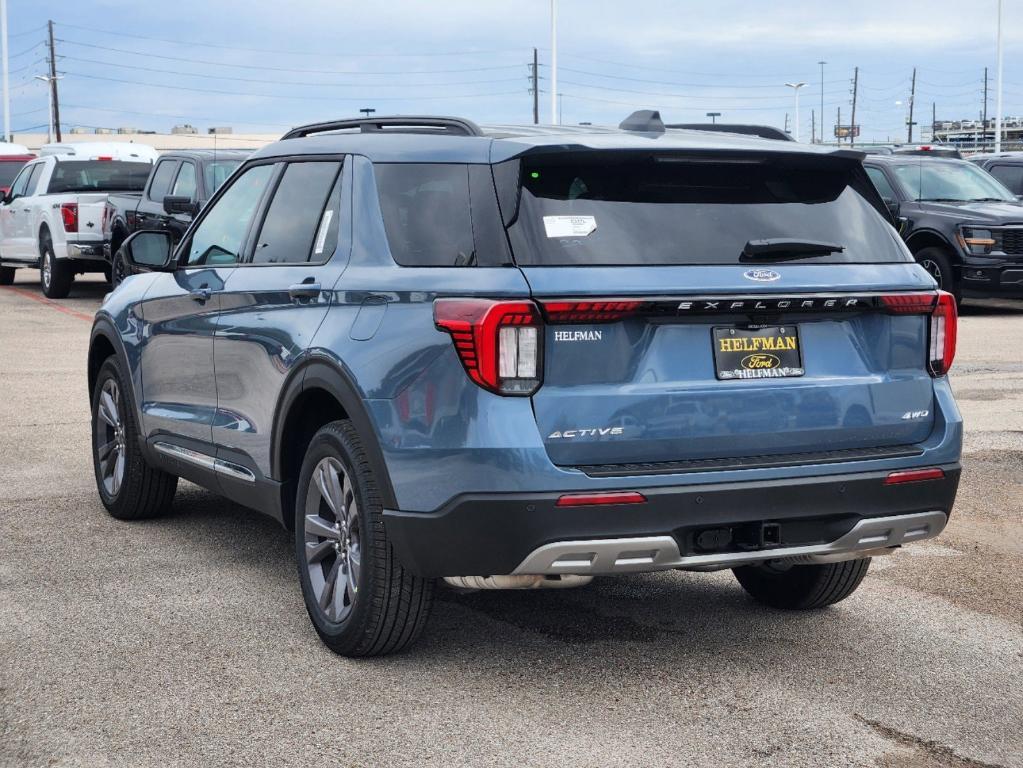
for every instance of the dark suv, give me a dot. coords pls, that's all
(522, 357)
(961, 223)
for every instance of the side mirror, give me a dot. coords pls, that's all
(4, 192)
(149, 249)
(176, 204)
(1020, 198)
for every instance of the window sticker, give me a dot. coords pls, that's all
(569, 226)
(321, 236)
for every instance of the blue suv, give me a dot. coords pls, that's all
(522, 357)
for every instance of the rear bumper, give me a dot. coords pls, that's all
(496, 534)
(86, 251)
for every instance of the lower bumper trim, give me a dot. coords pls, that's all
(657, 553)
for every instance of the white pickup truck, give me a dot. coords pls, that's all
(52, 217)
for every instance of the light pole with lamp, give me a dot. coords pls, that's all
(49, 100)
(795, 89)
(713, 117)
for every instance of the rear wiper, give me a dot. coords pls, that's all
(783, 249)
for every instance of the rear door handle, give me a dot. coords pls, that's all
(201, 294)
(304, 291)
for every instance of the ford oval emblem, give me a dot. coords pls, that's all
(761, 275)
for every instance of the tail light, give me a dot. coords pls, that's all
(498, 342)
(600, 499)
(589, 311)
(69, 214)
(944, 326)
(914, 476)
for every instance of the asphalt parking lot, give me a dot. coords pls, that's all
(184, 641)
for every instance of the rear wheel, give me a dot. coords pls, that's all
(56, 273)
(129, 488)
(802, 587)
(118, 269)
(939, 266)
(361, 600)
(6, 275)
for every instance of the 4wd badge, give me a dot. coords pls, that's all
(761, 275)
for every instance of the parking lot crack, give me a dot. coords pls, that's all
(939, 752)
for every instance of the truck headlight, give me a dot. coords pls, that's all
(975, 241)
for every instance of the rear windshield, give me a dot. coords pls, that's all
(610, 209)
(98, 176)
(8, 170)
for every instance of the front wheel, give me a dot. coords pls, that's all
(361, 600)
(56, 273)
(118, 269)
(939, 266)
(802, 587)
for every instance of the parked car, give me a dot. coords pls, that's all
(51, 219)
(1007, 167)
(179, 185)
(960, 223)
(12, 159)
(526, 357)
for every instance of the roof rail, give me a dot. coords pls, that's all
(453, 126)
(644, 121)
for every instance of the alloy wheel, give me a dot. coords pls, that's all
(110, 438)
(47, 268)
(333, 539)
(934, 270)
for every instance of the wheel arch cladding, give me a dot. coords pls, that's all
(100, 348)
(316, 395)
(930, 239)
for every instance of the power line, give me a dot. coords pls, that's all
(683, 85)
(217, 120)
(208, 76)
(318, 54)
(711, 97)
(298, 70)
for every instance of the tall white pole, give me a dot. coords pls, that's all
(795, 88)
(49, 100)
(998, 98)
(554, 118)
(7, 92)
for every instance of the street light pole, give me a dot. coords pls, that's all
(7, 92)
(555, 118)
(998, 98)
(795, 90)
(822, 63)
(713, 117)
(49, 100)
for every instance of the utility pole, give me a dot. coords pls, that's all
(536, 89)
(813, 127)
(787, 123)
(934, 119)
(998, 92)
(822, 63)
(7, 90)
(984, 118)
(554, 62)
(838, 125)
(852, 127)
(912, 98)
(53, 84)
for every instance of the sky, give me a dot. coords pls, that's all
(263, 66)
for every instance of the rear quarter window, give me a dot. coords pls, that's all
(426, 213)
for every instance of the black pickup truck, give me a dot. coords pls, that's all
(960, 223)
(179, 185)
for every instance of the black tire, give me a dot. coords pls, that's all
(142, 491)
(7, 275)
(802, 587)
(939, 265)
(56, 276)
(118, 269)
(382, 608)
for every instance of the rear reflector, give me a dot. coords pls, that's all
(914, 476)
(601, 499)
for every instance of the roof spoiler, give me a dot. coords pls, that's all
(643, 121)
(445, 126)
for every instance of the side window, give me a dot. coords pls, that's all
(220, 236)
(301, 222)
(881, 183)
(184, 184)
(33, 180)
(159, 187)
(426, 213)
(18, 187)
(1010, 175)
